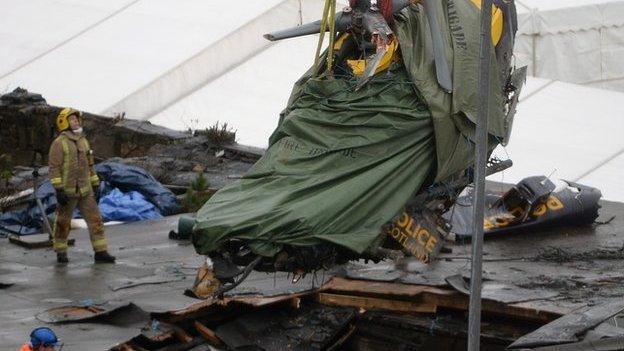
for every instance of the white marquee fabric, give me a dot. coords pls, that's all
(110, 61)
(142, 56)
(577, 41)
(250, 97)
(32, 28)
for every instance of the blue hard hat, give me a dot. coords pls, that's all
(43, 336)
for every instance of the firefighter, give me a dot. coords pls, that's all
(41, 339)
(76, 184)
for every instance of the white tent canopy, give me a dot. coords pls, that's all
(141, 57)
(115, 57)
(250, 97)
(34, 28)
(133, 56)
(577, 41)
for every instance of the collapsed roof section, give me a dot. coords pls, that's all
(572, 270)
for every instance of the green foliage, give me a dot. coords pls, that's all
(219, 134)
(197, 193)
(200, 183)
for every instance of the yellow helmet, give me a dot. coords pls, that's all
(62, 122)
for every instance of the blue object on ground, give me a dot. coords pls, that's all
(131, 178)
(128, 193)
(126, 207)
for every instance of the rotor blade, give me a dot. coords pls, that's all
(371, 67)
(443, 72)
(343, 21)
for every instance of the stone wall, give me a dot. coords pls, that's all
(27, 130)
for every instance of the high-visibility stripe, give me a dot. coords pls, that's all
(66, 164)
(85, 189)
(54, 226)
(94, 179)
(60, 245)
(56, 182)
(100, 244)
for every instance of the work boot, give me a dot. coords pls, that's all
(61, 257)
(104, 257)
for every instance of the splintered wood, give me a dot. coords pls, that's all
(408, 298)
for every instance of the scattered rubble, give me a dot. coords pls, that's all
(559, 255)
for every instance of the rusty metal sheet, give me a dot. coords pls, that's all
(79, 313)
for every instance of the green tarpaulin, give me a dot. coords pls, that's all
(334, 159)
(343, 163)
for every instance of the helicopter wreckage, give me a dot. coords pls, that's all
(374, 149)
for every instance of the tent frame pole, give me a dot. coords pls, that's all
(481, 155)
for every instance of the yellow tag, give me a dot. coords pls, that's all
(497, 21)
(358, 66)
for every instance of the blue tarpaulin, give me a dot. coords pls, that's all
(126, 207)
(128, 193)
(131, 178)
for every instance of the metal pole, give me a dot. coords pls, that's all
(474, 314)
(44, 219)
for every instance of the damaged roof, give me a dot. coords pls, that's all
(535, 276)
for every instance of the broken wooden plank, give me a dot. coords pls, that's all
(198, 310)
(338, 344)
(207, 334)
(439, 297)
(375, 304)
(181, 334)
(374, 288)
(128, 347)
(183, 346)
(158, 332)
(555, 308)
